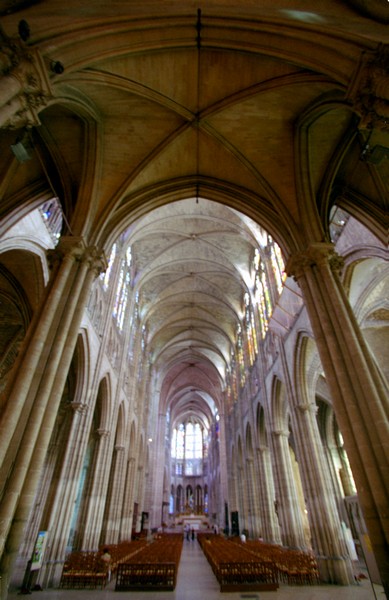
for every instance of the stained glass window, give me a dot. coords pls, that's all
(188, 447)
(189, 441)
(173, 449)
(133, 324)
(118, 291)
(106, 276)
(234, 382)
(262, 294)
(122, 290)
(52, 215)
(180, 446)
(277, 264)
(251, 335)
(240, 355)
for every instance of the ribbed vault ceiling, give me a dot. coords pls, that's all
(247, 103)
(193, 264)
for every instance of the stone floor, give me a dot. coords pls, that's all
(196, 581)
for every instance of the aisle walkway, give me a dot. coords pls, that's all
(196, 581)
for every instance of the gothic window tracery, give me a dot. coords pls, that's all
(122, 290)
(187, 448)
(107, 275)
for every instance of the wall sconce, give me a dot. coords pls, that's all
(21, 149)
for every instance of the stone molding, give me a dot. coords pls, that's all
(369, 89)
(320, 255)
(25, 65)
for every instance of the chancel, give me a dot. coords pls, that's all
(194, 297)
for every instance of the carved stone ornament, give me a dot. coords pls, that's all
(319, 255)
(369, 89)
(27, 67)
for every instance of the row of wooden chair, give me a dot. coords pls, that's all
(294, 567)
(236, 568)
(237, 562)
(83, 569)
(154, 567)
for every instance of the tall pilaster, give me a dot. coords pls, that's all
(270, 526)
(140, 489)
(288, 508)
(42, 390)
(96, 499)
(128, 502)
(358, 389)
(254, 519)
(65, 497)
(113, 511)
(157, 467)
(223, 468)
(326, 529)
(243, 498)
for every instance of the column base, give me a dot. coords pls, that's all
(336, 569)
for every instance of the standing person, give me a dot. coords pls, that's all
(106, 558)
(193, 533)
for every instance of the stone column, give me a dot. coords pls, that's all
(20, 396)
(140, 489)
(96, 500)
(112, 527)
(154, 493)
(52, 369)
(128, 502)
(358, 390)
(270, 526)
(242, 498)
(63, 505)
(255, 517)
(326, 528)
(288, 508)
(223, 469)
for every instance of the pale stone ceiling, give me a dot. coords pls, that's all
(159, 102)
(193, 263)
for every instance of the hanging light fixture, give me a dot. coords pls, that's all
(197, 119)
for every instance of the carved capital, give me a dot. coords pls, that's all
(279, 433)
(68, 246)
(262, 449)
(308, 407)
(103, 433)
(369, 90)
(320, 255)
(96, 259)
(79, 407)
(25, 65)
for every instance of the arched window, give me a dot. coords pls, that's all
(187, 448)
(134, 318)
(106, 276)
(52, 215)
(251, 334)
(122, 290)
(277, 264)
(233, 378)
(262, 294)
(171, 500)
(240, 355)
